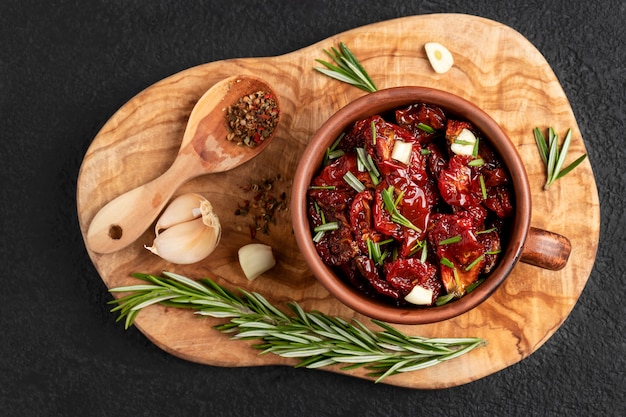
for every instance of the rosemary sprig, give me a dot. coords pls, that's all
(316, 339)
(346, 68)
(552, 157)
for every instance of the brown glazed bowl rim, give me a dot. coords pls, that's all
(377, 103)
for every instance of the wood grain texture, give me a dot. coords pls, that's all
(495, 67)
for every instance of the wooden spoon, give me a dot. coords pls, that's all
(204, 149)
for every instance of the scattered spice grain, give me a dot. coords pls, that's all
(266, 201)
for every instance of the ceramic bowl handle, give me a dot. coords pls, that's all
(546, 249)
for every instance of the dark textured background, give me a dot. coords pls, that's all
(66, 66)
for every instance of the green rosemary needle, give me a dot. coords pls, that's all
(316, 339)
(392, 207)
(346, 68)
(552, 157)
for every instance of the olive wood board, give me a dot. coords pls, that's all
(495, 67)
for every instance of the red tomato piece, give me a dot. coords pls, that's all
(412, 116)
(362, 220)
(404, 274)
(368, 269)
(457, 184)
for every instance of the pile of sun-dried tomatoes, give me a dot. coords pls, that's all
(436, 221)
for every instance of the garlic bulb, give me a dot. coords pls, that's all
(255, 259)
(187, 231)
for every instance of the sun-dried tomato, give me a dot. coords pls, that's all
(406, 273)
(491, 243)
(368, 269)
(499, 201)
(436, 160)
(413, 116)
(332, 174)
(455, 127)
(381, 145)
(458, 185)
(362, 220)
(337, 247)
(454, 237)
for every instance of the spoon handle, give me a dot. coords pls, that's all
(124, 219)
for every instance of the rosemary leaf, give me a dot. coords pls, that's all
(445, 261)
(393, 369)
(541, 145)
(315, 339)
(425, 128)
(444, 299)
(474, 262)
(338, 74)
(570, 167)
(326, 227)
(319, 362)
(353, 182)
(419, 365)
(450, 240)
(476, 162)
(562, 154)
(483, 188)
(304, 353)
(552, 154)
(139, 287)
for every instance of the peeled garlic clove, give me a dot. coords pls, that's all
(184, 208)
(187, 231)
(420, 296)
(440, 58)
(255, 259)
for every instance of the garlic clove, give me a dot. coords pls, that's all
(255, 259)
(186, 243)
(402, 152)
(184, 208)
(439, 57)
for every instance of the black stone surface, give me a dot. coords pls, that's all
(67, 66)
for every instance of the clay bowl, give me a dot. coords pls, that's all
(521, 242)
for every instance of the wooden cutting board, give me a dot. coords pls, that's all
(495, 67)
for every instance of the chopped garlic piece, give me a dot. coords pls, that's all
(402, 151)
(440, 58)
(420, 296)
(464, 143)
